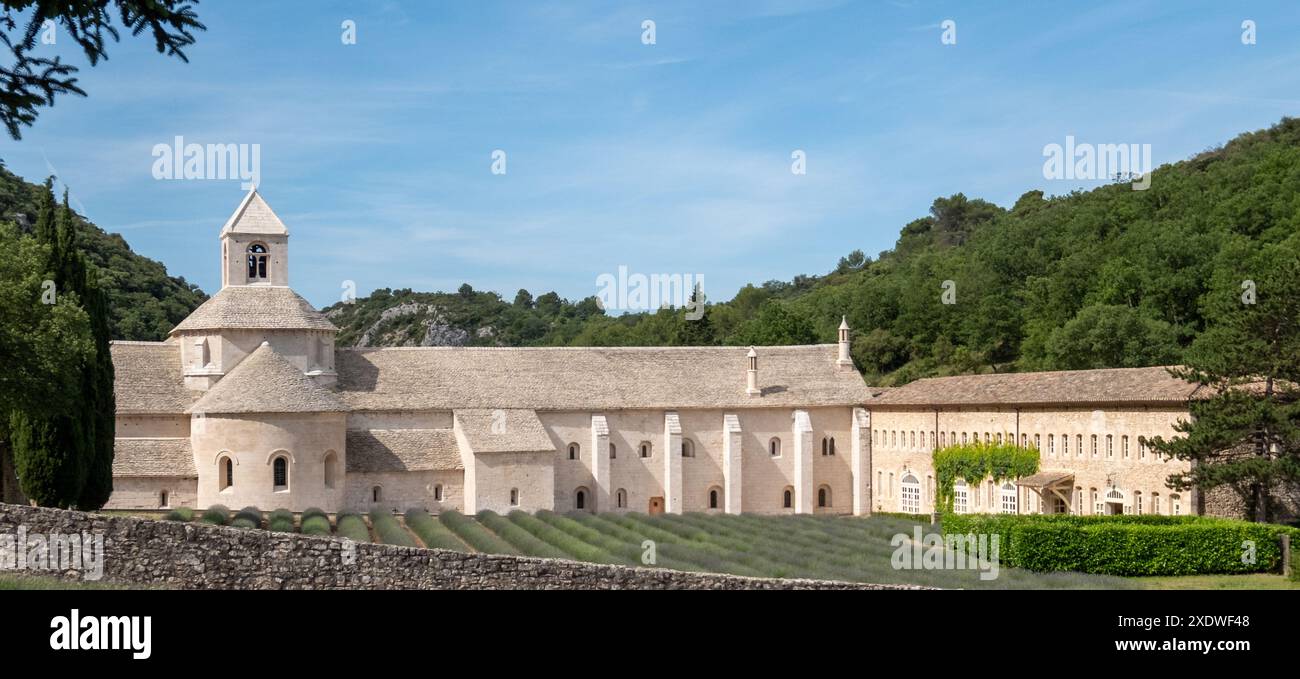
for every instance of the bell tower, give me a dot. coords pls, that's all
(254, 245)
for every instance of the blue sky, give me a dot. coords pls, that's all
(670, 158)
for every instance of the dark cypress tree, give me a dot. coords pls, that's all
(99, 396)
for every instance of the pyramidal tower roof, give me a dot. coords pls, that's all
(266, 382)
(254, 216)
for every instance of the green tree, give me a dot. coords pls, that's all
(30, 82)
(1246, 435)
(1112, 336)
(64, 457)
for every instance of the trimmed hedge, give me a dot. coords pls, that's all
(248, 517)
(1127, 545)
(216, 515)
(474, 535)
(432, 532)
(280, 521)
(316, 524)
(389, 530)
(314, 511)
(353, 527)
(181, 514)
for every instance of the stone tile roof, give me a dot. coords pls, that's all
(149, 379)
(153, 457)
(258, 307)
(266, 382)
(254, 216)
(503, 431)
(592, 378)
(401, 450)
(1068, 387)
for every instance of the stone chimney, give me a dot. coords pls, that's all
(751, 383)
(845, 361)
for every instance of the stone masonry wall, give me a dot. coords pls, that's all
(198, 556)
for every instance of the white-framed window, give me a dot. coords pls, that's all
(1051, 445)
(1094, 446)
(1078, 447)
(1155, 503)
(960, 497)
(1175, 504)
(1110, 446)
(1065, 446)
(1038, 443)
(942, 440)
(1010, 497)
(1137, 502)
(1124, 446)
(1142, 447)
(911, 495)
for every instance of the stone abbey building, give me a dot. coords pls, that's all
(249, 402)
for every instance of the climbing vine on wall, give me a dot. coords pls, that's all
(975, 462)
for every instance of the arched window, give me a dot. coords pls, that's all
(828, 443)
(620, 498)
(832, 445)
(257, 263)
(1010, 497)
(713, 498)
(1175, 504)
(280, 473)
(1051, 445)
(377, 494)
(226, 467)
(613, 452)
(1078, 445)
(787, 498)
(645, 449)
(1094, 445)
(437, 492)
(1123, 451)
(1065, 445)
(162, 500)
(1137, 502)
(331, 462)
(574, 450)
(514, 497)
(824, 496)
(1110, 446)
(911, 495)
(774, 447)
(1155, 503)
(580, 498)
(688, 448)
(943, 440)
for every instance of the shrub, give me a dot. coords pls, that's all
(432, 532)
(242, 521)
(1128, 545)
(475, 535)
(280, 521)
(216, 515)
(523, 540)
(314, 511)
(316, 524)
(251, 515)
(353, 527)
(389, 530)
(181, 514)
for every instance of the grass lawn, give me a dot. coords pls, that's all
(1248, 581)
